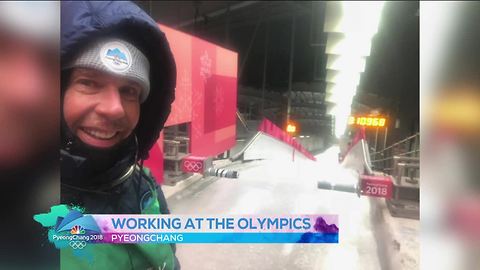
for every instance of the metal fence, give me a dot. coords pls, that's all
(401, 160)
(406, 150)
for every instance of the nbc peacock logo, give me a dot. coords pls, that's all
(77, 229)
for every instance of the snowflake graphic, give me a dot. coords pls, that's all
(185, 103)
(196, 104)
(205, 66)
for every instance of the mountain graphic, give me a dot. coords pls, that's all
(322, 226)
(76, 218)
(324, 233)
(117, 54)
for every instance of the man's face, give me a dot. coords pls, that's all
(29, 100)
(101, 109)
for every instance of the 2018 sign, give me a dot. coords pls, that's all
(377, 186)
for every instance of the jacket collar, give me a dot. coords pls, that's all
(100, 170)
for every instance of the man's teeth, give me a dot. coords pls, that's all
(104, 135)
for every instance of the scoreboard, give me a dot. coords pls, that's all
(367, 121)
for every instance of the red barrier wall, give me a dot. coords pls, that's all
(270, 128)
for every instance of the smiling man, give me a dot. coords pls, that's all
(101, 109)
(102, 101)
(118, 81)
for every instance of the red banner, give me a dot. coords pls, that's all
(214, 98)
(376, 186)
(270, 128)
(193, 164)
(205, 97)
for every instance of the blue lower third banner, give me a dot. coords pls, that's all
(70, 227)
(308, 237)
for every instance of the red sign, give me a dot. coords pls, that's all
(205, 97)
(376, 186)
(206, 92)
(193, 164)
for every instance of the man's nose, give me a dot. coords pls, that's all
(110, 104)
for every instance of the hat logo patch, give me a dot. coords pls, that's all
(116, 57)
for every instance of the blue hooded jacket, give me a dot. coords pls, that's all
(81, 23)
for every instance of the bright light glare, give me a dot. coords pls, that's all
(341, 112)
(347, 63)
(348, 47)
(341, 94)
(291, 128)
(334, 76)
(353, 44)
(360, 17)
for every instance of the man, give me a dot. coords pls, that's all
(29, 133)
(118, 79)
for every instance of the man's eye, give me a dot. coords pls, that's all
(131, 93)
(88, 83)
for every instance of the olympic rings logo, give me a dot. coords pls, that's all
(77, 244)
(192, 166)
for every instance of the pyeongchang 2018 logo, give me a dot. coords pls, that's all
(116, 56)
(76, 229)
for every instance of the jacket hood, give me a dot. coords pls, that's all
(83, 22)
